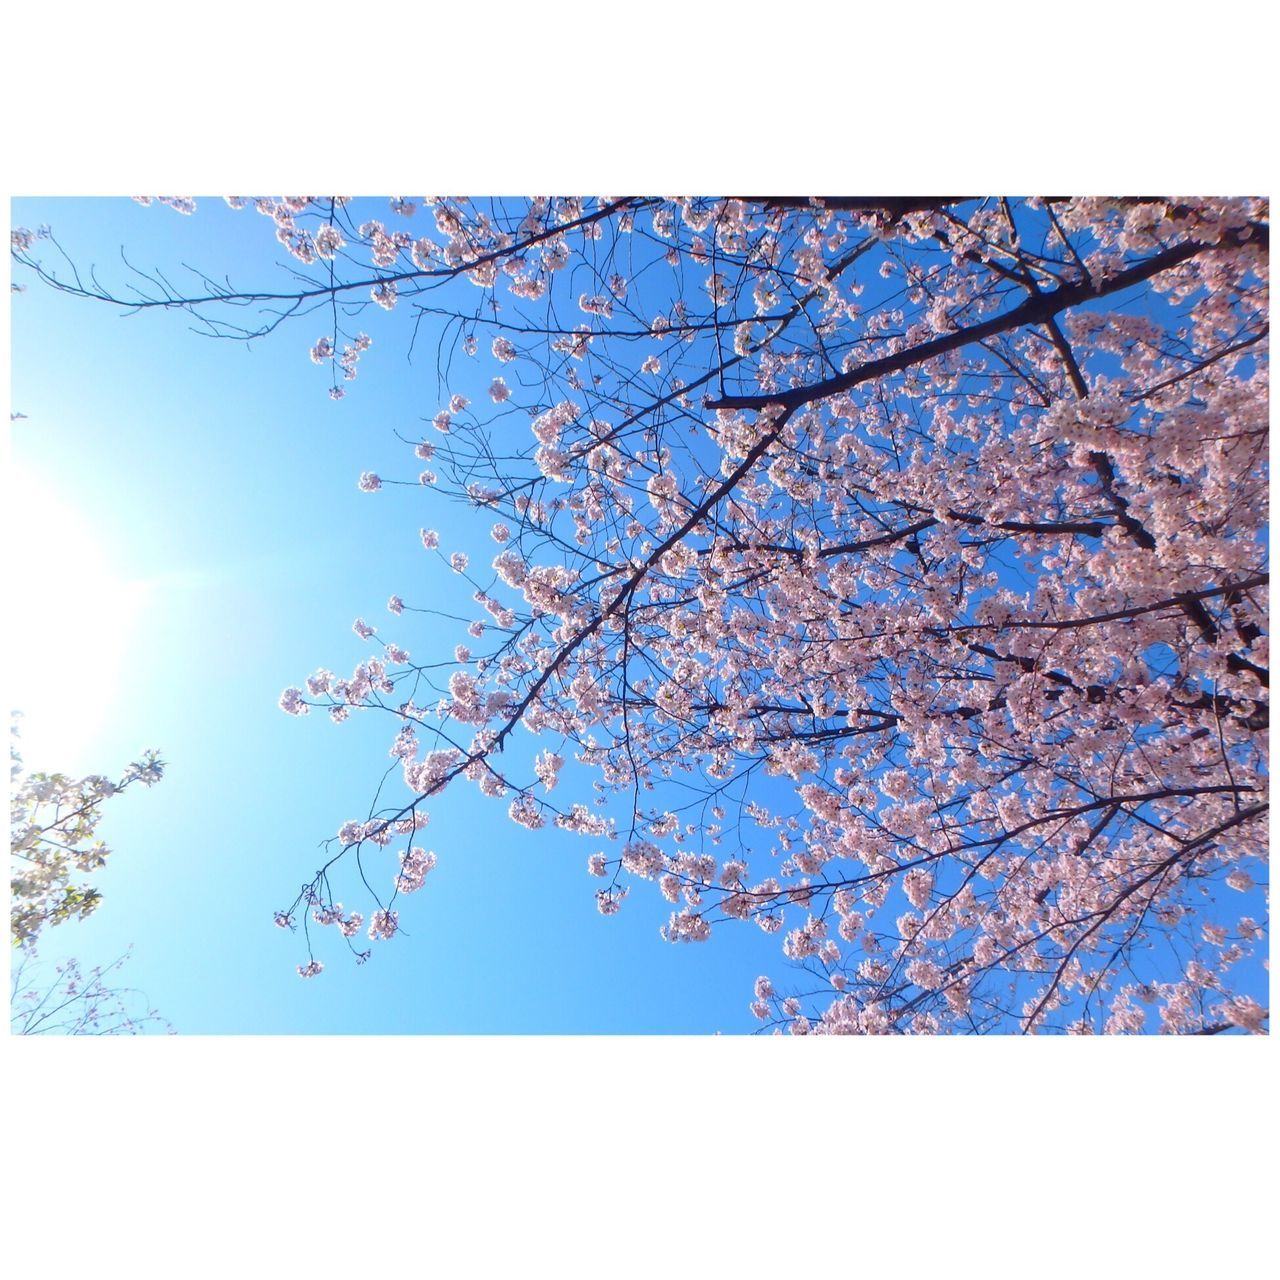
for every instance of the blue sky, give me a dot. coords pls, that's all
(199, 497)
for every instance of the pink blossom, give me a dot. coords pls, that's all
(414, 868)
(547, 767)
(384, 924)
(328, 240)
(609, 901)
(291, 701)
(524, 810)
(1246, 1013)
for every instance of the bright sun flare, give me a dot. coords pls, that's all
(71, 619)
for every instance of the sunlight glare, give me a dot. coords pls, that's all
(72, 620)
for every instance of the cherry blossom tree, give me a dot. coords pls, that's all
(53, 820)
(887, 574)
(71, 1001)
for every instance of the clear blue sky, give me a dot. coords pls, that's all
(215, 487)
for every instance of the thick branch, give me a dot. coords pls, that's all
(1035, 310)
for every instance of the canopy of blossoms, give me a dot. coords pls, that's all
(888, 574)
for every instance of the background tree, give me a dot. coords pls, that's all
(53, 820)
(69, 1001)
(895, 568)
